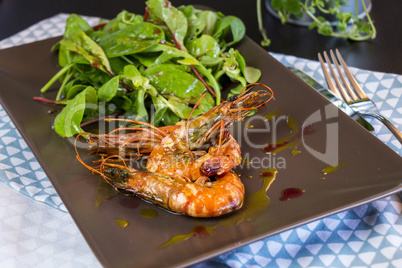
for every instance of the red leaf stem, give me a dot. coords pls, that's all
(99, 119)
(146, 14)
(191, 66)
(96, 27)
(202, 80)
(44, 100)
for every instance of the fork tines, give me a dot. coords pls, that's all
(348, 94)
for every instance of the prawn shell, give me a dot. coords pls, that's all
(213, 199)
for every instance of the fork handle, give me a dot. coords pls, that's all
(387, 123)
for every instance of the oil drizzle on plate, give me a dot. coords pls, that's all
(272, 114)
(259, 201)
(329, 169)
(254, 205)
(149, 213)
(121, 223)
(292, 139)
(295, 151)
(103, 192)
(291, 193)
(198, 231)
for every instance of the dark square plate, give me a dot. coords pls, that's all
(370, 170)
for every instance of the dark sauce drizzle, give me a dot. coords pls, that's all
(292, 139)
(291, 193)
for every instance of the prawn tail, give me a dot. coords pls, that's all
(250, 100)
(218, 119)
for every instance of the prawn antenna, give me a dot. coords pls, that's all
(191, 113)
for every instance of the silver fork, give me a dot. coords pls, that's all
(357, 98)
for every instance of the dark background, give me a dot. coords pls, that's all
(381, 54)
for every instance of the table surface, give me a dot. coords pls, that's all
(380, 54)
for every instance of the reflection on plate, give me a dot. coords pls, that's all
(125, 231)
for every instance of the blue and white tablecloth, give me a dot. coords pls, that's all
(42, 234)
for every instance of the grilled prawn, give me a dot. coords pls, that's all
(189, 167)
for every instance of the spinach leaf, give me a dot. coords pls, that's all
(109, 89)
(158, 116)
(223, 25)
(206, 104)
(122, 103)
(140, 111)
(74, 90)
(67, 122)
(170, 118)
(65, 56)
(134, 76)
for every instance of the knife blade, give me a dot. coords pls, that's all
(332, 98)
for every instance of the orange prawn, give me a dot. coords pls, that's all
(177, 177)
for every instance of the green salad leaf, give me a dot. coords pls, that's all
(152, 67)
(131, 39)
(67, 122)
(80, 43)
(174, 20)
(109, 90)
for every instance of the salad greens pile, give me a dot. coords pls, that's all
(152, 67)
(348, 25)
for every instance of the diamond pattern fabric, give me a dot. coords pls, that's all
(43, 235)
(33, 234)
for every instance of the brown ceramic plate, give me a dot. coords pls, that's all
(370, 171)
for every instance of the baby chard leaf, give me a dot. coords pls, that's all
(182, 88)
(83, 45)
(210, 19)
(75, 23)
(206, 49)
(188, 59)
(131, 39)
(195, 24)
(122, 20)
(169, 79)
(163, 12)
